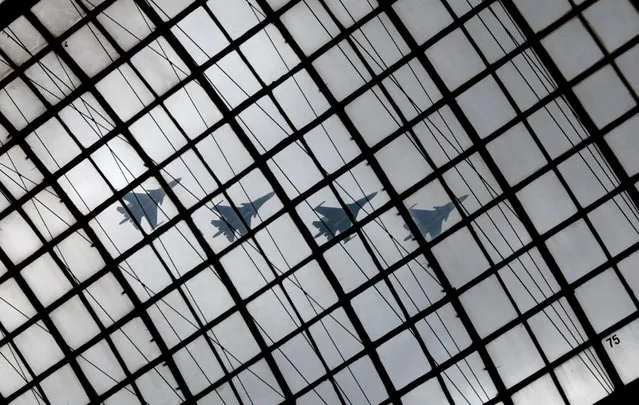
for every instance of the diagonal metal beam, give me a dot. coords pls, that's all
(10, 10)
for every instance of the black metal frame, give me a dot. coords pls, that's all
(452, 295)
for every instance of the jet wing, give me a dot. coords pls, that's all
(133, 202)
(434, 228)
(142, 205)
(157, 195)
(135, 199)
(332, 225)
(137, 215)
(226, 223)
(329, 212)
(427, 221)
(323, 229)
(341, 226)
(231, 219)
(223, 229)
(225, 211)
(151, 213)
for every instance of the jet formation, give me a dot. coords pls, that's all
(332, 220)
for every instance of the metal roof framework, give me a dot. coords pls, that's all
(530, 49)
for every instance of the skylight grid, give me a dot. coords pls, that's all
(318, 201)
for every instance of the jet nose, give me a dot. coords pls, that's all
(258, 203)
(462, 198)
(365, 199)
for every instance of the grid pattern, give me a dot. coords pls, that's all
(319, 201)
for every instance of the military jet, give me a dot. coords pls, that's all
(334, 220)
(144, 205)
(430, 221)
(230, 223)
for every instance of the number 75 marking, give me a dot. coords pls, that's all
(613, 340)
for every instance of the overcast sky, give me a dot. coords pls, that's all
(503, 255)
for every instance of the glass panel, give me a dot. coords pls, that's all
(322, 202)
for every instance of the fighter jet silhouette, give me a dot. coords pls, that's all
(334, 220)
(230, 223)
(431, 221)
(144, 205)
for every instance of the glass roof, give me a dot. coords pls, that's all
(318, 201)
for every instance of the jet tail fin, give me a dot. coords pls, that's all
(127, 217)
(322, 228)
